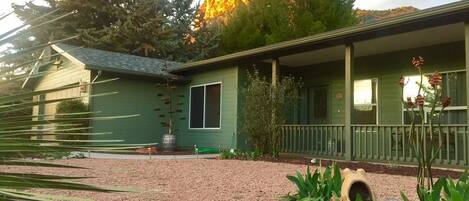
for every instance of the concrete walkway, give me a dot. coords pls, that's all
(146, 157)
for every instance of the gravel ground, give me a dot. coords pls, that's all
(200, 179)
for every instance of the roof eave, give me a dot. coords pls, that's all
(135, 73)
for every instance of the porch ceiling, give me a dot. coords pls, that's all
(409, 40)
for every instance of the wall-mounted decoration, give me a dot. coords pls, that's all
(339, 96)
(83, 87)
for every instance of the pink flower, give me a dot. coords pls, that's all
(435, 79)
(446, 102)
(418, 62)
(410, 104)
(402, 81)
(420, 100)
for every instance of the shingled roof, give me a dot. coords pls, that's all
(118, 62)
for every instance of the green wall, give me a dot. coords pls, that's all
(387, 68)
(225, 137)
(136, 95)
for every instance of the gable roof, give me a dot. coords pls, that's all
(95, 59)
(445, 14)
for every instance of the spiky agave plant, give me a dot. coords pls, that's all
(18, 128)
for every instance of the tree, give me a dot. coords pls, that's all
(154, 28)
(264, 22)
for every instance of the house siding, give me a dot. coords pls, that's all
(135, 96)
(68, 73)
(225, 137)
(387, 68)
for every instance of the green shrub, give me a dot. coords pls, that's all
(227, 154)
(453, 191)
(246, 155)
(317, 186)
(74, 109)
(272, 105)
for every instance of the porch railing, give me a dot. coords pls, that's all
(321, 140)
(387, 143)
(391, 143)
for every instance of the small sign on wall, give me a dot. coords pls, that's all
(83, 87)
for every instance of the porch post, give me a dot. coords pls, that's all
(466, 34)
(275, 71)
(466, 39)
(349, 65)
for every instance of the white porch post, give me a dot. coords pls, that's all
(349, 65)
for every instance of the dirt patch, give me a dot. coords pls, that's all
(199, 179)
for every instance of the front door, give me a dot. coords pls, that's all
(317, 103)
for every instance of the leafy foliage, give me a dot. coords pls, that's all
(73, 109)
(272, 106)
(243, 155)
(445, 189)
(317, 186)
(263, 22)
(157, 28)
(459, 190)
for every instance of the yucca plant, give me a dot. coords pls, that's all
(19, 128)
(317, 186)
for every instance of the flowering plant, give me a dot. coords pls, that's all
(421, 134)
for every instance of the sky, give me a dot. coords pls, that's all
(11, 21)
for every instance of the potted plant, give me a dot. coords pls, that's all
(170, 109)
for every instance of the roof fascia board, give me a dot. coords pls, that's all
(68, 56)
(134, 73)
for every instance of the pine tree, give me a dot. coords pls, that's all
(263, 22)
(154, 28)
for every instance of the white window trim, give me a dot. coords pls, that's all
(205, 97)
(426, 109)
(377, 99)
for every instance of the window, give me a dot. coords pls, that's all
(454, 86)
(205, 106)
(411, 88)
(365, 101)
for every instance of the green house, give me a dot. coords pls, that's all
(351, 106)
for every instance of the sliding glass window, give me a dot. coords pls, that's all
(205, 106)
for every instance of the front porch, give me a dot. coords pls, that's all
(382, 143)
(351, 106)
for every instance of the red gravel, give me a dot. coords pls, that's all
(200, 179)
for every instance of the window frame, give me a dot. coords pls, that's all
(426, 109)
(204, 105)
(372, 104)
